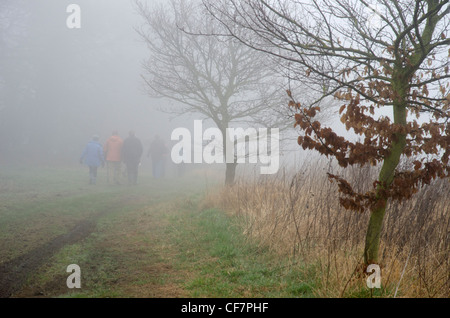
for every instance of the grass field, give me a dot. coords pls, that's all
(190, 237)
(151, 240)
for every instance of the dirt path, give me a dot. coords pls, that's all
(15, 272)
(17, 275)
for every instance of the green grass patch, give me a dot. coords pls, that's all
(222, 262)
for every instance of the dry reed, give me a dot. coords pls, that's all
(299, 217)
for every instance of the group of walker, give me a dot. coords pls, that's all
(115, 151)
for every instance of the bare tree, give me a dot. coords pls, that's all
(369, 55)
(215, 77)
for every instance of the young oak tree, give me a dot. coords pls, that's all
(388, 56)
(215, 77)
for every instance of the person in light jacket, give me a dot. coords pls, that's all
(92, 156)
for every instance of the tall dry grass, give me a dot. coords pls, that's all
(298, 215)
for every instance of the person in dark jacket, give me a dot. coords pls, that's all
(93, 157)
(131, 154)
(158, 151)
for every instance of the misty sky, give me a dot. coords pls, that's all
(60, 86)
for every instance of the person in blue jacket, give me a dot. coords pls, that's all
(93, 157)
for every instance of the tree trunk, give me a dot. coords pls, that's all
(401, 78)
(230, 170)
(373, 235)
(230, 173)
(386, 177)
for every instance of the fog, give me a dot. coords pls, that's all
(59, 86)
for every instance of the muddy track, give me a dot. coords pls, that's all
(14, 273)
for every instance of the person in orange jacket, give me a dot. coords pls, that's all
(113, 156)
